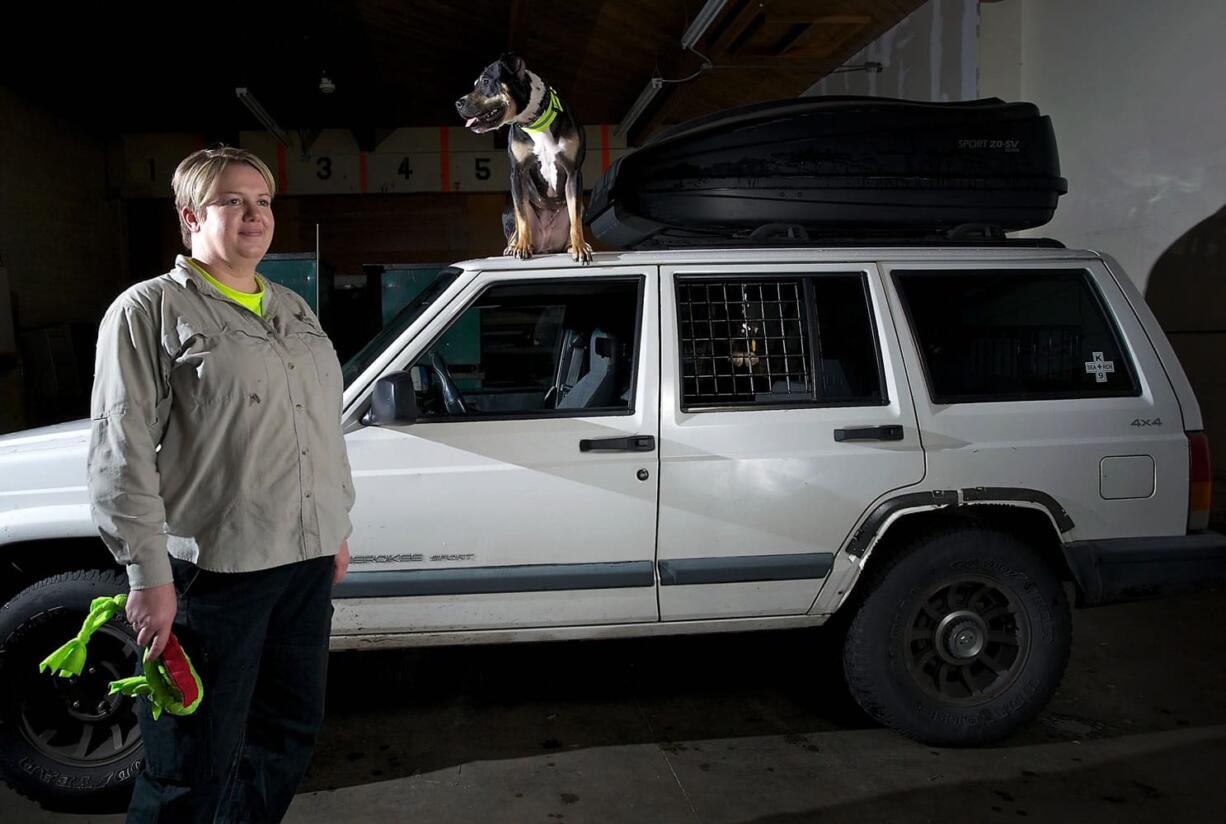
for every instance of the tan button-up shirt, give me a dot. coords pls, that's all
(216, 434)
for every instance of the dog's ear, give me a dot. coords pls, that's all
(513, 63)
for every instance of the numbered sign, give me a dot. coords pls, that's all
(402, 172)
(443, 159)
(323, 173)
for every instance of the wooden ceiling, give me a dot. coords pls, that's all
(123, 68)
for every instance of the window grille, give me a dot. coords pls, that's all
(744, 341)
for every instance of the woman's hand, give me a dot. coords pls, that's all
(151, 612)
(340, 562)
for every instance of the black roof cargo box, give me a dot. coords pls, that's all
(833, 166)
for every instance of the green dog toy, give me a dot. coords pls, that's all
(170, 682)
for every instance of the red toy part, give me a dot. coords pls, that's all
(180, 671)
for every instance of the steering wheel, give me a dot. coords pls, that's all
(452, 399)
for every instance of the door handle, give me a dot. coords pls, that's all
(634, 443)
(891, 432)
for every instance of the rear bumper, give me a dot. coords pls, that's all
(1129, 569)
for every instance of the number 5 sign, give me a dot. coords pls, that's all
(479, 171)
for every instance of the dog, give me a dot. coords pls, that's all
(546, 150)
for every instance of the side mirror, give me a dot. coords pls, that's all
(394, 401)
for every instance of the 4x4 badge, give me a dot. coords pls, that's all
(1099, 368)
(1146, 422)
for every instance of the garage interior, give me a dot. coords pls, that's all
(351, 103)
(357, 115)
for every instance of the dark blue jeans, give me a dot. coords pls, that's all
(259, 641)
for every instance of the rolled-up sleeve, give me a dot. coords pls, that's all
(129, 406)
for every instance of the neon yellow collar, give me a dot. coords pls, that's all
(552, 107)
(253, 301)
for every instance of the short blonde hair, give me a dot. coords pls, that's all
(196, 178)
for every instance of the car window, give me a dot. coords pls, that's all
(357, 364)
(997, 335)
(777, 341)
(546, 348)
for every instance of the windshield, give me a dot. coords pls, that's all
(412, 311)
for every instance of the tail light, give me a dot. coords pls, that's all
(1200, 481)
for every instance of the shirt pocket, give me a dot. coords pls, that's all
(319, 347)
(220, 364)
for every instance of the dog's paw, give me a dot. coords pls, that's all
(581, 254)
(515, 249)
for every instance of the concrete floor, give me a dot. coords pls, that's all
(755, 728)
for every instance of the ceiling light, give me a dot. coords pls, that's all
(253, 105)
(706, 16)
(867, 66)
(636, 111)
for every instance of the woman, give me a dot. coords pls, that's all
(218, 477)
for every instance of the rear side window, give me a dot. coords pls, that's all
(998, 335)
(771, 341)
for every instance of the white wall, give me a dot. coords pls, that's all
(930, 55)
(1000, 49)
(1135, 91)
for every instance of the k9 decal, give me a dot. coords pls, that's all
(1146, 422)
(1100, 368)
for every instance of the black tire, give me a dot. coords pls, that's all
(64, 742)
(960, 640)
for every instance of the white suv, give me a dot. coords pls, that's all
(920, 444)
